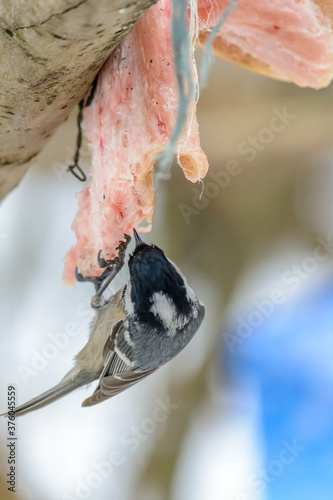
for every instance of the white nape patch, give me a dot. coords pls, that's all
(165, 310)
(123, 357)
(128, 339)
(129, 308)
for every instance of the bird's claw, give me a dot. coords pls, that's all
(111, 269)
(96, 280)
(80, 277)
(118, 259)
(102, 262)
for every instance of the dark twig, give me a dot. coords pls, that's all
(79, 174)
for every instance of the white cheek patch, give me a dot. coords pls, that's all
(129, 308)
(164, 309)
(190, 295)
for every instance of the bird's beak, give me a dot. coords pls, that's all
(138, 240)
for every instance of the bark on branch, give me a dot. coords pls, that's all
(50, 53)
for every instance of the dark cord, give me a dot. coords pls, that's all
(71, 168)
(75, 169)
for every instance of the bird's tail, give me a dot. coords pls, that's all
(64, 387)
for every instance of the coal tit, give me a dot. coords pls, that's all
(140, 328)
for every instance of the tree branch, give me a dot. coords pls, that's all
(50, 54)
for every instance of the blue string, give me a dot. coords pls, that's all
(186, 88)
(181, 43)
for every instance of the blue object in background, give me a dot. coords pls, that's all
(286, 365)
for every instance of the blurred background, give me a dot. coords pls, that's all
(245, 412)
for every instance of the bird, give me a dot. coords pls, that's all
(142, 326)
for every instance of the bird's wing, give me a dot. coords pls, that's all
(117, 374)
(114, 384)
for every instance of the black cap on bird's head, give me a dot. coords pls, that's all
(151, 272)
(145, 255)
